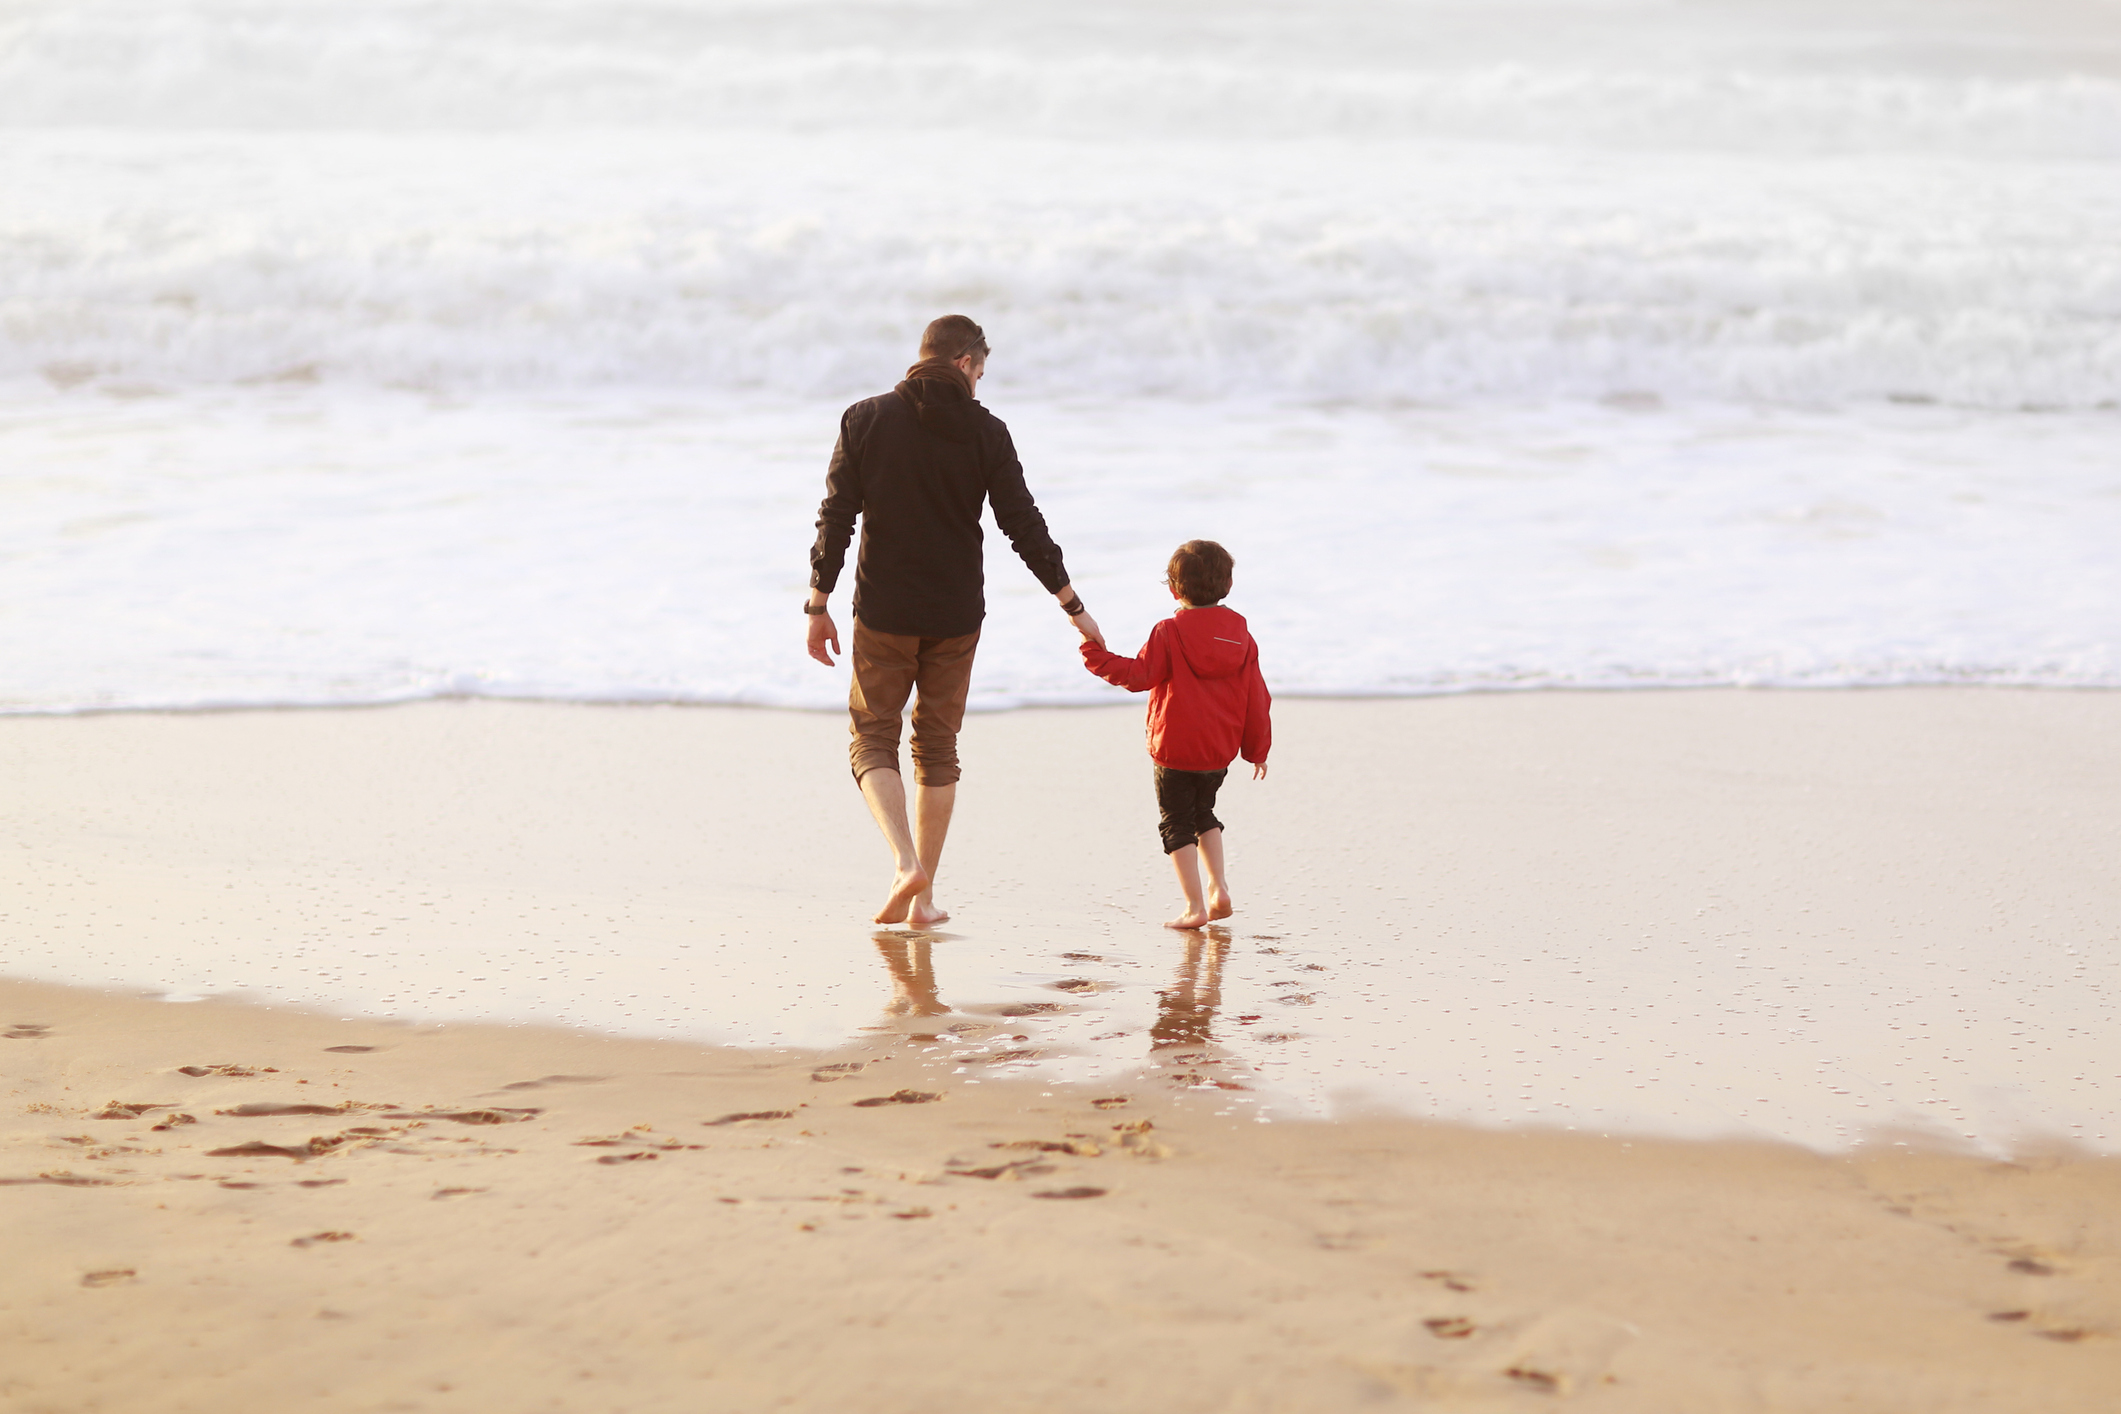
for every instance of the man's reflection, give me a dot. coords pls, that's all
(906, 957)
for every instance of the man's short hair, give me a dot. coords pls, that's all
(1201, 571)
(952, 337)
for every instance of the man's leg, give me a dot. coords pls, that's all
(944, 676)
(932, 808)
(885, 792)
(884, 669)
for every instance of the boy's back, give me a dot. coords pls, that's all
(1208, 703)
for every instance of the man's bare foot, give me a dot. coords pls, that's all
(925, 914)
(906, 886)
(1219, 906)
(1191, 918)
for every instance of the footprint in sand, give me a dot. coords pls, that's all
(543, 1081)
(497, 1115)
(748, 1116)
(1070, 1193)
(27, 1031)
(637, 1156)
(117, 1109)
(1450, 1327)
(1030, 1009)
(316, 1239)
(235, 1070)
(349, 1050)
(456, 1192)
(256, 1149)
(838, 1071)
(269, 1107)
(898, 1097)
(114, 1276)
(1081, 957)
(1452, 1281)
(1111, 1102)
(176, 1121)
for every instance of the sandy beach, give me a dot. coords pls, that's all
(340, 1176)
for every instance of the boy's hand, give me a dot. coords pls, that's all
(822, 632)
(1087, 627)
(1259, 770)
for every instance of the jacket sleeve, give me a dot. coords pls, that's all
(836, 513)
(1018, 515)
(1137, 674)
(1259, 726)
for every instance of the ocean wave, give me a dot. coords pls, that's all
(803, 266)
(1727, 77)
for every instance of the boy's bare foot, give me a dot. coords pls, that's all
(906, 887)
(1191, 918)
(925, 915)
(1219, 906)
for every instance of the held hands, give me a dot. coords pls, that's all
(1087, 627)
(821, 632)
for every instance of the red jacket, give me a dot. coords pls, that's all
(1207, 701)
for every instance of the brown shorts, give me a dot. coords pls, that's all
(888, 667)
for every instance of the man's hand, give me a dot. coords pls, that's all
(822, 632)
(1259, 770)
(1087, 627)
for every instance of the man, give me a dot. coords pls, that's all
(915, 465)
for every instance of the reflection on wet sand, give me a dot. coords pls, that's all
(1183, 1047)
(908, 958)
(1185, 1016)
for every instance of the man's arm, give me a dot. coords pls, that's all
(1019, 518)
(835, 527)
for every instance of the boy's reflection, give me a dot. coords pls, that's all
(1185, 1011)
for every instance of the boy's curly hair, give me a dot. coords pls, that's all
(1200, 569)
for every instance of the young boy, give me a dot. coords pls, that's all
(1207, 704)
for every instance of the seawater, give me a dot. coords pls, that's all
(363, 353)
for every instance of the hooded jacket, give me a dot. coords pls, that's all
(916, 466)
(1207, 702)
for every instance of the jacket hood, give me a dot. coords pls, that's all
(1215, 641)
(943, 406)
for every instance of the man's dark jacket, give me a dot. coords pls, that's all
(915, 465)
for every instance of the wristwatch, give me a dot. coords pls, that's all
(810, 608)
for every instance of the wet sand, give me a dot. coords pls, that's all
(1825, 917)
(482, 949)
(227, 1207)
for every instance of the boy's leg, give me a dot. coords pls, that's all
(1176, 799)
(1211, 858)
(884, 665)
(1210, 830)
(944, 677)
(1186, 862)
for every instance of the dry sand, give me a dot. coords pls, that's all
(532, 1217)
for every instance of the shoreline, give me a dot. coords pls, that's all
(1044, 705)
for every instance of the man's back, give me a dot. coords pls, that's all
(915, 465)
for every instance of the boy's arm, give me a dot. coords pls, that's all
(1259, 725)
(1137, 674)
